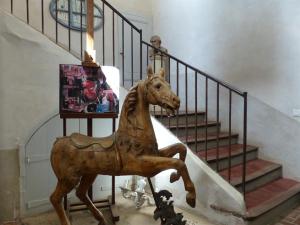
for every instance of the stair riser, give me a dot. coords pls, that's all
(181, 119)
(276, 214)
(235, 160)
(211, 143)
(191, 131)
(266, 178)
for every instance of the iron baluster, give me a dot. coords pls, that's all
(42, 12)
(56, 22)
(103, 34)
(218, 120)
(229, 147)
(206, 115)
(27, 11)
(169, 71)
(65, 134)
(244, 142)
(177, 93)
(81, 41)
(196, 112)
(161, 66)
(154, 66)
(123, 53)
(69, 23)
(131, 56)
(113, 39)
(186, 106)
(141, 54)
(147, 55)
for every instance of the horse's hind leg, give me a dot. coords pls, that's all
(169, 152)
(62, 188)
(81, 192)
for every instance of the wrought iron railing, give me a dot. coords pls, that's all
(108, 45)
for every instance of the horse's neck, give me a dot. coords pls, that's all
(138, 123)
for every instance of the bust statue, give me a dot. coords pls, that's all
(156, 42)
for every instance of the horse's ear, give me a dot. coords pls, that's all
(162, 73)
(150, 71)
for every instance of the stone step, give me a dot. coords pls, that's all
(198, 144)
(269, 203)
(179, 118)
(191, 128)
(236, 153)
(258, 173)
(268, 195)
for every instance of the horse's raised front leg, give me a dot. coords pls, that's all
(149, 166)
(169, 152)
(81, 192)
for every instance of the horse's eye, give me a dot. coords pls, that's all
(158, 86)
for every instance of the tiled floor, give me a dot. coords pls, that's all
(129, 215)
(292, 219)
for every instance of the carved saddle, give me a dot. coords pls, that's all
(83, 141)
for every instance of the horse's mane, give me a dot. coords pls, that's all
(130, 101)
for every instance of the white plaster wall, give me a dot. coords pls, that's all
(253, 45)
(29, 65)
(276, 135)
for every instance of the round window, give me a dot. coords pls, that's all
(69, 14)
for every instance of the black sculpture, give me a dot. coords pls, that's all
(165, 209)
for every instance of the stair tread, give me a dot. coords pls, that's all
(180, 113)
(270, 195)
(199, 124)
(254, 169)
(236, 149)
(210, 136)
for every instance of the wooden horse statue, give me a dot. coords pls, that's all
(131, 150)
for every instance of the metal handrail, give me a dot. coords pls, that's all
(222, 83)
(121, 15)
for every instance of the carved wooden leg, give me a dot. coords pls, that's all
(62, 188)
(159, 164)
(81, 192)
(169, 152)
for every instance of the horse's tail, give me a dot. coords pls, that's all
(57, 139)
(55, 152)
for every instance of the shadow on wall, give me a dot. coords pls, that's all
(276, 134)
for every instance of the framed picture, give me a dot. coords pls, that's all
(86, 90)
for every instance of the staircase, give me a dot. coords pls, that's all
(267, 194)
(268, 197)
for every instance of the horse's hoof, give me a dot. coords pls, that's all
(174, 177)
(191, 199)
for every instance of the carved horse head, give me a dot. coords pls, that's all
(159, 92)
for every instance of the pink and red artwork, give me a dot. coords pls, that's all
(85, 90)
